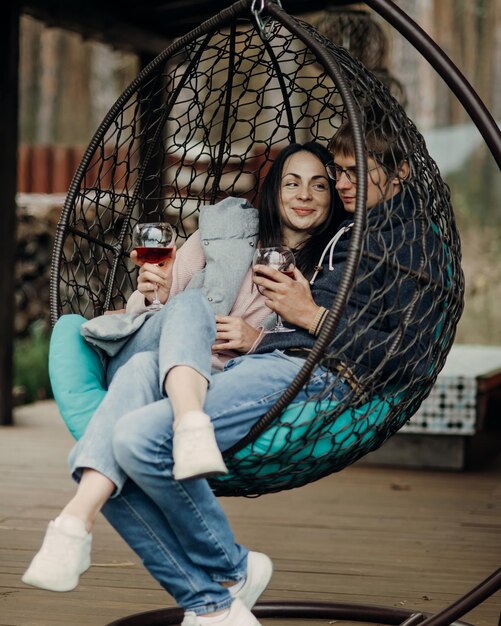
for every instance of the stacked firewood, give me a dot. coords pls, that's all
(36, 227)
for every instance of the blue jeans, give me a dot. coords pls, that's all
(178, 528)
(159, 333)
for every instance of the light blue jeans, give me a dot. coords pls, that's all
(178, 527)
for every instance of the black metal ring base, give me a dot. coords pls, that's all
(295, 610)
(335, 611)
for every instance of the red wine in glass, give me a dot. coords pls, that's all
(153, 243)
(153, 255)
(281, 259)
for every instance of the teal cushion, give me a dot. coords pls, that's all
(303, 437)
(76, 374)
(300, 421)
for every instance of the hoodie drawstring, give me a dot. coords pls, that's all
(330, 247)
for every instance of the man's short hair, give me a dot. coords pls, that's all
(381, 140)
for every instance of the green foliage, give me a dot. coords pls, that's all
(31, 371)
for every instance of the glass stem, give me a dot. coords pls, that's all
(155, 295)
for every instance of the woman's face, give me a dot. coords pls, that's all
(304, 197)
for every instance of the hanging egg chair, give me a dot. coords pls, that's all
(204, 121)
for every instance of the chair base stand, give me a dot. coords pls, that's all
(295, 610)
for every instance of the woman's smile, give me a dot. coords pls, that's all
(303, 211)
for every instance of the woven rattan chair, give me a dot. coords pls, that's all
(203, 121)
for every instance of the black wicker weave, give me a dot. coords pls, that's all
(203, 121)
(365, 39)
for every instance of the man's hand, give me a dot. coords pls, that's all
(289, 297)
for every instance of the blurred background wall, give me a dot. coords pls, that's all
(469, 31)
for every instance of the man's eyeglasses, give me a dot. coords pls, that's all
(335, 172)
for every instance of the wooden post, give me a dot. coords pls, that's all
(9, 80)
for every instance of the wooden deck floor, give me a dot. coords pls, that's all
(406, 538)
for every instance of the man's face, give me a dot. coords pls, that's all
(379, 187)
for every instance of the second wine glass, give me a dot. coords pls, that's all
(281, 259)
(154, 243)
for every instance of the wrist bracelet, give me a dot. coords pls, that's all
(317, 320)
(321, 322)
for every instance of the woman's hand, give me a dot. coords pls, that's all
(234, 334)
(289, 297)
(149, 274)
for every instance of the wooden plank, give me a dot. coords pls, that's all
(400, 538)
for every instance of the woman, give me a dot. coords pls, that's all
(192, 551)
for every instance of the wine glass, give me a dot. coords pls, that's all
(153, 243)
(281, 259)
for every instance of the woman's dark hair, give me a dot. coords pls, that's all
(270, 222)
